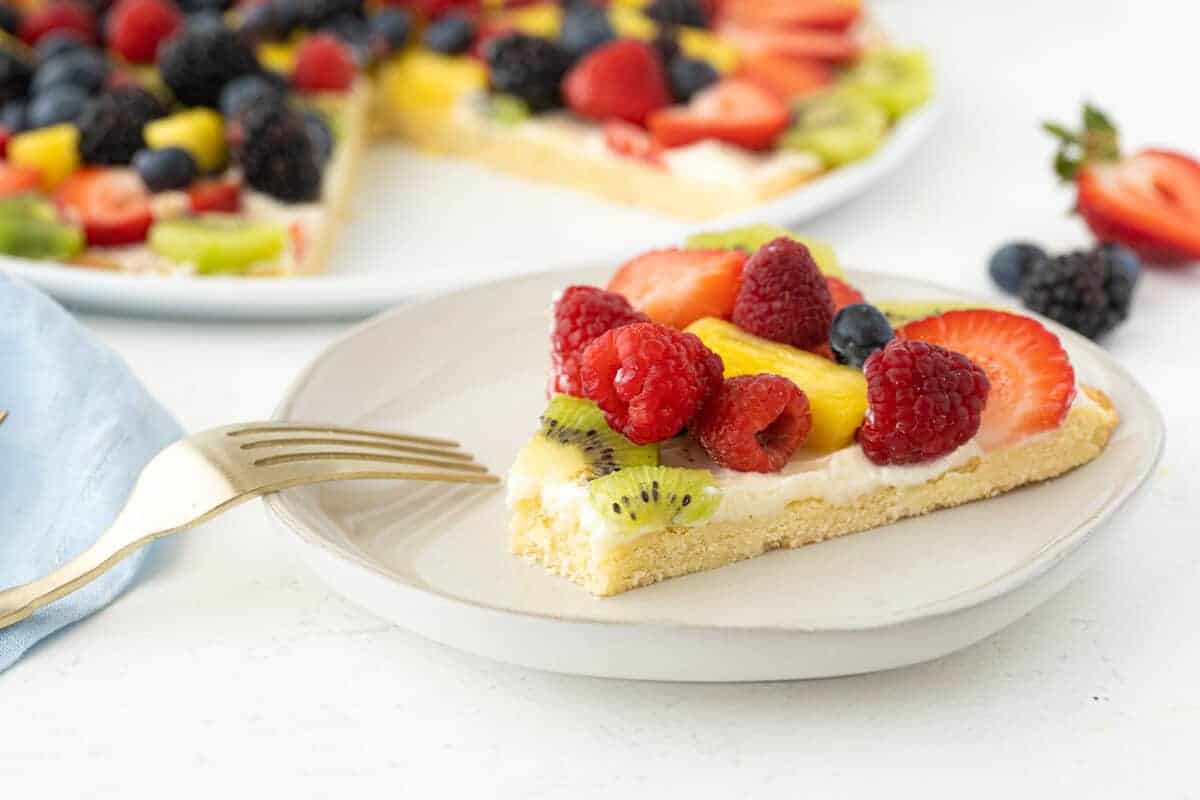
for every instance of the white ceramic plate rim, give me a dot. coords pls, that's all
(1037, 564)
(340, 296)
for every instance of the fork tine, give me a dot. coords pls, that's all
(350, 455)
(299, 428)
(258, 444)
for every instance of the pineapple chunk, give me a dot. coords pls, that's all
(52, 151)
(837, 395)
(540, 19)
(421, 80)
(706, 46)
(631, 23)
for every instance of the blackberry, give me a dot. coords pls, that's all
(678, 12)
(110, 128)
(279, 155)
(1080, 290)
(197, 63)
(15, 73)
(666, 45)
(529, 67)
(584, 28)
(689, 76)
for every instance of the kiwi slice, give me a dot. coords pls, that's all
(838, 126)
(30, 227)
(654, 497)
(218, 242)
(752, 237)
(896, 80)
(575, 443)
(507, 109)
(899, 312)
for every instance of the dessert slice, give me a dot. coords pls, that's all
(748, 444)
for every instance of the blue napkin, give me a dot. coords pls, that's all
(79, 431)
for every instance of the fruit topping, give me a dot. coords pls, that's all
(389, 30)
(925, 401)
(678, 287)
(575, 443)
(678, 12)
(631, 141)
(59, 16)
(1122, 260)
(30, 227)
(584, 28)
(620, 80)
(111, 128)
(647, 380)
(529, 67)
(788, 78)
(251, 90)
(200, 131)
(733, 111)
(841, 293)
(57, 104)
(218, 243)
(112, 205)
(82, 68)
(825, 14)
(1080, 290)
(690, 76)
(838, 126)
(422, 81)
(1148, 201)
(837, 395)
(858, 331)
(784, 297)
(279, 156)
(53, 152)
(165, 168)
(17, 180)
(901, 312)
(15, 74)
(654, 497)
(896, 80)
(1031, 376)
(1010, 264)
(200, 59)
(323, 64)
(581, 314)
(215, 194)
(837, 47)
(450, 34)
(754, 423)
(750, 238)
(135, 28)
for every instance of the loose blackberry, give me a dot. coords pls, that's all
(529, 67)
(584, 28)
(279, 156)
(678, 12)
(1080, 290)
(198, 62)
(110, 129)
(15, 74)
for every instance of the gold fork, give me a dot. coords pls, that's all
(201, 476)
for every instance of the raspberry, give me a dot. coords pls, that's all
(62, 16)
(924, 401)
(784, 297)
(646, 379)
(323, 64)
(580, 315)
(709, 366)
(137, 27)
(754, 423)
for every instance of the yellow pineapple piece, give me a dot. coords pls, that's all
(53, 151)
(630, 22)
(837, 395)
(200, 131)
(541, 19)
(421, 80)
(707, 46)
(277, 56)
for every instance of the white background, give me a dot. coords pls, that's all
(230, 668)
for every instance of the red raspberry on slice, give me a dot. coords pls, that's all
(709, 365)
(754, 423)
(580, 315)
(323, 64)
(135, 28)
(784, 297)
(647, 380)
(60, 16)
(924, 401)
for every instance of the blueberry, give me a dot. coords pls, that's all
(354, 31)
(1011, 263)
(84, 68)
(13, 116)
(1122, 260)
(248, 90)
(584, 28)
(10, 18)
(451, 34)
(857, 331)
(262, 21)
(389, 30)
(689, 76)
(165, 168)
(55, 44)
(319, 132)
(59, 104)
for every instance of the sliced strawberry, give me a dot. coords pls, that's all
(15, 180)
(678, 287)
(631, 141)
(832, 46)
(1033, 382)
(789, 78)
(843, 294)
(215, 194)
(829, 14)
(620, 80)
(113, 205)
(733, 111)
(61, 16)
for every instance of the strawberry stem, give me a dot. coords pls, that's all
(1096, 141)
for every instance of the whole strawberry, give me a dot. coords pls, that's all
(1148, 201)
(784, 297)
(581, 314)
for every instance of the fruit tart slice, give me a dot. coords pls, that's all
(786, 411)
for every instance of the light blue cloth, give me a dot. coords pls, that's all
(79, 431)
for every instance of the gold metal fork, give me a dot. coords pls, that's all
(201, 476)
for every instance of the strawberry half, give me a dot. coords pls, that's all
(1033, 382)
(620, 80)
(842, 293)
(830, 14)
(787, 77)
(1148, 201)
(112, 205)
(732, 110)
(833, 46)
(677, 287)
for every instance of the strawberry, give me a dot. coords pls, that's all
(113, 205)
(215, 194)
(62, 16)
(5, 135)
(136, 27)
(16, 180)
(833, 46)
(678, 287)
(732, 110)
(826, 14)
(843, 294)
(620, 80)
(1148, 201)
(789, 78)
(323, 64)
(631, 141)
(1031, 376)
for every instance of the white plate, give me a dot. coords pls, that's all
(433, 558)
(423, 223)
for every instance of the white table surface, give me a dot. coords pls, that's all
(231, 667)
